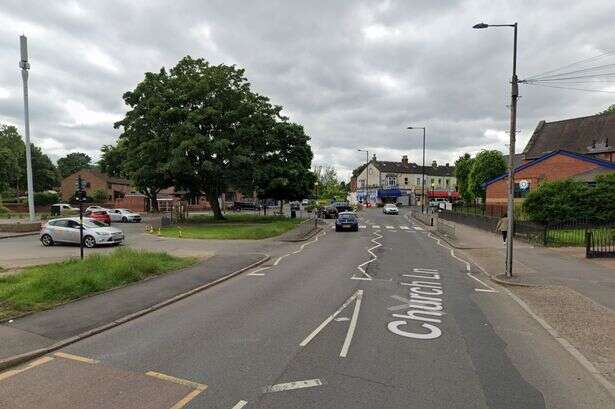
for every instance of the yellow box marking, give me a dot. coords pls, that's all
(31, 365)
(198, 387)
(76, 358)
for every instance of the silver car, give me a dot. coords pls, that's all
(124, 216)
(390, 209)
(66, 230)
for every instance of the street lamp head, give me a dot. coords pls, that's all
(480, 25)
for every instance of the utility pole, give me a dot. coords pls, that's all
(366, 174)
(514, 95)
(80, 195)
(423, 170)
(25, 66)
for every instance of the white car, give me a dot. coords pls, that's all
(390, 209)
(124, 216)
(95, 208)
(66, 230)
(305, 202)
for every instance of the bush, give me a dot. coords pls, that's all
(560, 201)
(99, 196)
(4, 210)
(45, 198)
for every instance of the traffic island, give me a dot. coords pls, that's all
(30, 336)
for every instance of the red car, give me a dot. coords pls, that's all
(100, 215)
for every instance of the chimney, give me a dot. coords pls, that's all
(447, 164)
(434, 164)
(404, 160)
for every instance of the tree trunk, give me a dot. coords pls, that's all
(215, 205)
(153, 199)
(281, 207)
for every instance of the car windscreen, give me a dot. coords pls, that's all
(348, 217)
(93, 224)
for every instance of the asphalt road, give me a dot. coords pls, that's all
(410, 329)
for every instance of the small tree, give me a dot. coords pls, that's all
(463, 166)
(73, 162)
(558, 201)
(99, 196)
(486, 166)
(601, 206)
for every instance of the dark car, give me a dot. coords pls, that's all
(329, 212)
(347, 221)
(238, 206)
(342, 207)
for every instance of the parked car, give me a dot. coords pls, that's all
(438, 202)
(100, 215)
(94, 207)
(342, 206)
(347, 221)
(238, 206)
(329, 212)
(62, 208)
(124, 216)
(66, 230)
(390, 208)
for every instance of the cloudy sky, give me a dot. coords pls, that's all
(354, 73)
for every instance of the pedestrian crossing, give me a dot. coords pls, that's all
(388, 228)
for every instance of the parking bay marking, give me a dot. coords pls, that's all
(358, 295)
(309, 383)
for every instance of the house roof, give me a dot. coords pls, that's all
(586, 158)
(109, 179)
(411, 167)
(585, 135)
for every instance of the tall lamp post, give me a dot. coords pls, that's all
(366, 174)
(25, 66)
(514, 95)
(423, 169)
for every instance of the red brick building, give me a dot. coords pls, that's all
(558, 165)
(113, 187)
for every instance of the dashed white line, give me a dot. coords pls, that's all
(389, 227)
(375, 226)
(309, 383)
(404, 227)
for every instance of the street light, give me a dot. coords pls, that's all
(423, 169)
(25, 66)
(366, 174)
(514, 94)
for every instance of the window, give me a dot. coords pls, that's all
(418, 181)
(447, 182)
(439, 182)
(520, 193)
(405, 181)
(391, 181)
(362, 183)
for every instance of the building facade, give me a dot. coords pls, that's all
(113, 187)
(400, 182)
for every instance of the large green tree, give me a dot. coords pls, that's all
(463, 166)
(13, 163)
(73, 162)
(487, 165)
(283, 172)
(329, 184)
(145, 142)
(112, 159)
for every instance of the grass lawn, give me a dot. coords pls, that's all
(235, 227)
(576, 237)
(42, 287)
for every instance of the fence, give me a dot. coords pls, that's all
(426, 218)
(600, 242)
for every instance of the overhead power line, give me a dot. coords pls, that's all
(585, 60)
(570, 88)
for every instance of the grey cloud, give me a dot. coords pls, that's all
(354, 73)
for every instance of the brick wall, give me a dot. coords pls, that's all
(558, 167)
(94, 183)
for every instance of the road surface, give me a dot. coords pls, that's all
(382, 318)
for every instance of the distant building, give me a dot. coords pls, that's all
(391, 182)
(113, 187)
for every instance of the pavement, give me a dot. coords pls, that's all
(383, 318)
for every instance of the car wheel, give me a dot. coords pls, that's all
(124, 219)
(337, 228)
(89, 242)
(47, 240)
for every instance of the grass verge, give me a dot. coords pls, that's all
(42, 287)
(234, 227)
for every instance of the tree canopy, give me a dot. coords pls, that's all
(329, 184)
(487, 165)
(73, 162)
(201, 128)
(112, 159)
(610, 109)
(463, 166)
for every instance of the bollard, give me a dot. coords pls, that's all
(180, 233)
(158, 231)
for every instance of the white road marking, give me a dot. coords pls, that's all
(352, 326)
(361, 278)
(362, 226)
(374, 256)
(240, 404)
(482, 290)
(310, 383)
(404, 227)
(299, 250)
(259, 269)
(389, 227)
(256, 274)
(375, 226)
(330, 318)
(339, 319)
(418, 228)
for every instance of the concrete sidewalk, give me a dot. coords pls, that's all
(44, 329)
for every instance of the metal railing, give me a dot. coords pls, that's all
(600, 242)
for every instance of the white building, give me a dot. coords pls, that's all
(400, 182)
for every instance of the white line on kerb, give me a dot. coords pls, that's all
(256, 274)
(240, 404)
(309, 383)
(310, 337)
(352, 326)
